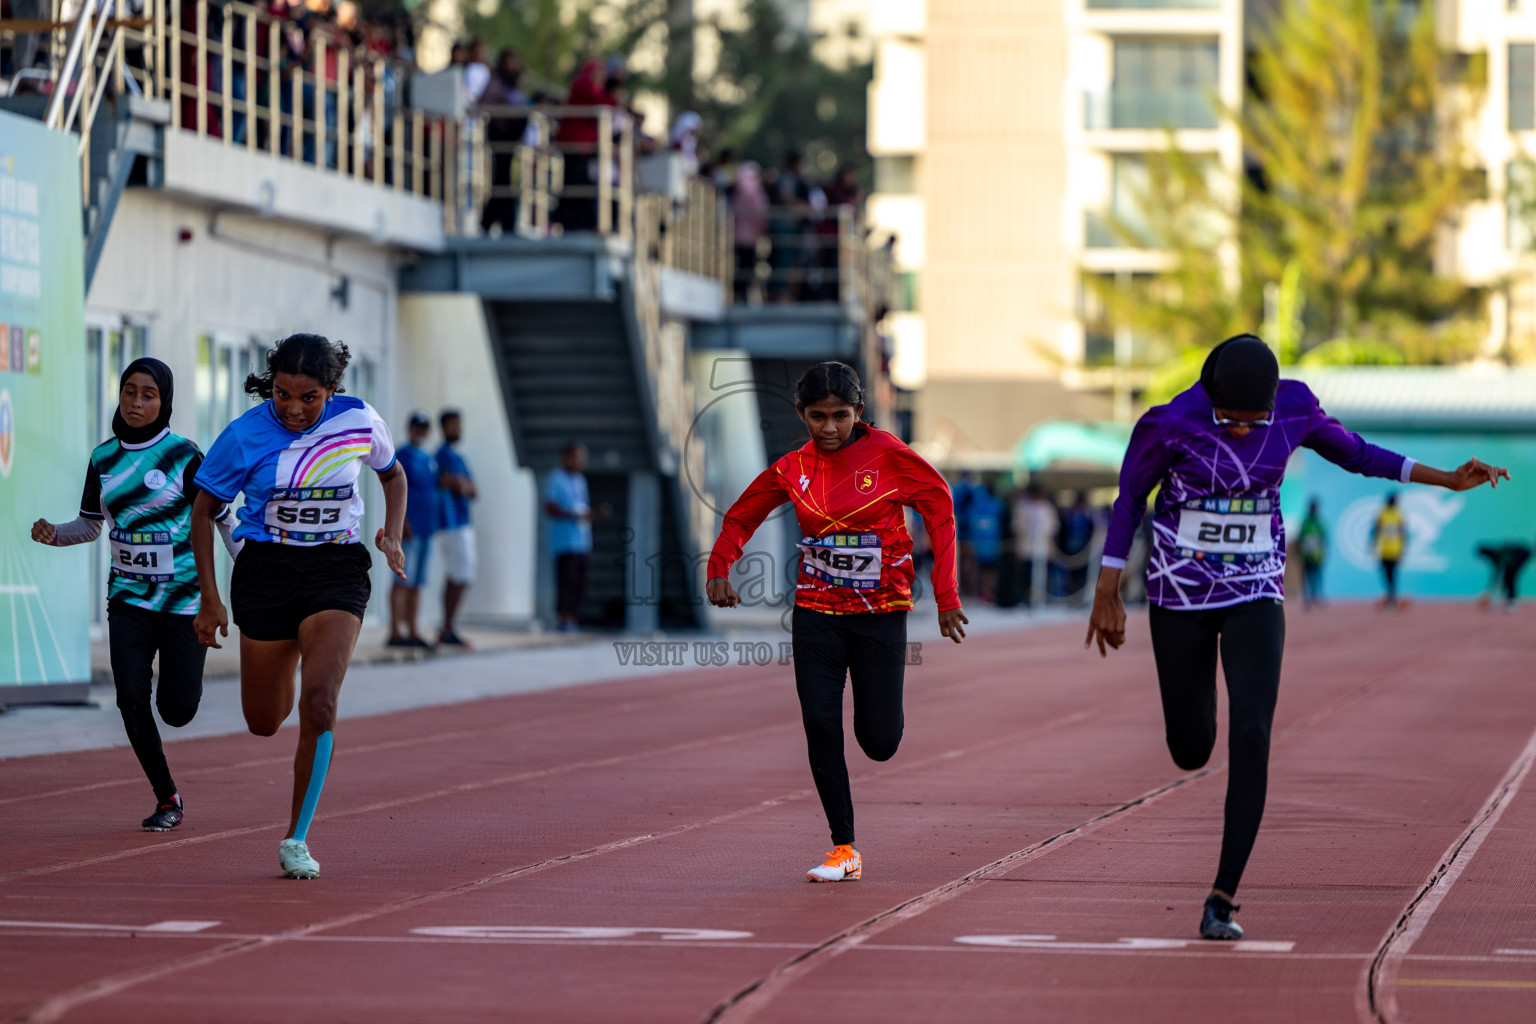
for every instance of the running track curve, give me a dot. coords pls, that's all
(632, 851)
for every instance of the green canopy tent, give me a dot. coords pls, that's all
(1072, 455)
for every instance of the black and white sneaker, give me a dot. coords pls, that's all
(166, 817)
(1216, 922)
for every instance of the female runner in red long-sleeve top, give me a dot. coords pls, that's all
(848, 484)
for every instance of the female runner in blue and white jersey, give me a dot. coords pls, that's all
(300, 583)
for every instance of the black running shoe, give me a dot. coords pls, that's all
(398, 641)
(166, 817)
(452, 639)
(1217, 923)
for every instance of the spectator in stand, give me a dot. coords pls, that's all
(477, 73)
(577, 140)
(569, 508)
(749, 203)
(420, 523)
(684, 139)
(723, 173)
(503, 133)
(791, 198)
(456, 489)
(1034, 522)
(843, 190)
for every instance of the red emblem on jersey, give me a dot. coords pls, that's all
(864, 480)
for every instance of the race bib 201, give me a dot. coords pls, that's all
(1226, 529)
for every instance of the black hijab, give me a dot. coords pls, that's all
(1241, 373)
(167, 385)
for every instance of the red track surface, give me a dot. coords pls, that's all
(1032, 797)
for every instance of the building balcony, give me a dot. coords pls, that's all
(1100, 233)
(1160, 5)
(1179, 108)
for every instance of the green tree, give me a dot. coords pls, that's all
(553, 37)
(1352, 126)
(770, 94)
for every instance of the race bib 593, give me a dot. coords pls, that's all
(309, 514)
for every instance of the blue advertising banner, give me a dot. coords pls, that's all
(1444, 528)
(44, 591)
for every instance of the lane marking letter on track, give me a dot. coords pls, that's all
(548, 932)
(1050, 942)
(164, 926)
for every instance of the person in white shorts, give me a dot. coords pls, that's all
(456, 489)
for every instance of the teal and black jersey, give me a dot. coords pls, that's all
(145, 494)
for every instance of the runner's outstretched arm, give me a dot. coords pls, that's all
(1146, 463)
(740, 522)
(387, 539)
(1470, 474)
(931, 497)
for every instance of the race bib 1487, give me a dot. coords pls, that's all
(843, 559)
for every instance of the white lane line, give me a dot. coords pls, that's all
(179, 927)
(1051, 942)
(585, 932)
(1377, 999)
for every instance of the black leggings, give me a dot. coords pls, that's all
(134, 636)
(871, 649)
(1251, 637)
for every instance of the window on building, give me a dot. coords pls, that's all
(1522, 87)
(1102, 337)
(1200, 5)
(896, 175)
(1520, 205)
(1164, 82)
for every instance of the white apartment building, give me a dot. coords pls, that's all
(1004, 132)
(1495, 243)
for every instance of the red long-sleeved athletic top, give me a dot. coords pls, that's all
(855, 555)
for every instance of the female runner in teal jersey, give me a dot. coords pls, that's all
(300, 584)
(139, 482)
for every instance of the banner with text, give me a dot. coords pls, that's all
(44, 591)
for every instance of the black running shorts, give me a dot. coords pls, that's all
(277, 586)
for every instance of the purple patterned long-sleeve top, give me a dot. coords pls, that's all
(1217, 535)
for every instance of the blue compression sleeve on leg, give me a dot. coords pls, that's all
(316, 783)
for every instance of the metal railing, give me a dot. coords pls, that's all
(1151, 108)
(805, 255)
(233, 72)
(31, 49)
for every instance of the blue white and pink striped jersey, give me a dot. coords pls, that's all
(299, 488)
(1217, 535)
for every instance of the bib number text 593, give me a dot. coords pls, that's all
(291, 516)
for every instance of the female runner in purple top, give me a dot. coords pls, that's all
(1215, 578)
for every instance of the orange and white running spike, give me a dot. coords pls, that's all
(842, 865)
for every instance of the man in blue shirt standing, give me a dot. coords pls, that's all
(420, 523)
(570, 531)
(456, 489)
